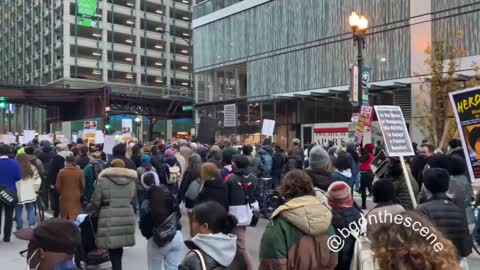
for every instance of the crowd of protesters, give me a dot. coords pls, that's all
(147, 185)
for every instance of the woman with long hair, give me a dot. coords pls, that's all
(191, 174)
(27, 188)
(400, 247)
(70, 186)
(213, 186)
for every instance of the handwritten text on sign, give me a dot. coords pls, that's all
(394, 129)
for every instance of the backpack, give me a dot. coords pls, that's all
(267, 161)
(173, 175)
(155, 177)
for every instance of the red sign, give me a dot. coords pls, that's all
(364, 121)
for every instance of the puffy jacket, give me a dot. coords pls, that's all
(401, 191)
(113, 196)
(214, 190)
(188, 178)
(278, 161)
(345, 176)
(450, 220)
(255, 167)
(27, 187)
(297, 237)
(164, 172)
(237, 184)
(219, 251)
(321, 178)
(342, 218)
(266, 160)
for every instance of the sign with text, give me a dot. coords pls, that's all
(268, 127)
(366, 71)
(466, 107)
(127, 130)
(354, 87)
(89, 131)
(364, 123)
(395, 133)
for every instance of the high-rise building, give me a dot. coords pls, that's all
(289, 60)
(135, 46)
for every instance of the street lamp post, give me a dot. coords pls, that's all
(359, 25)
(138, 122)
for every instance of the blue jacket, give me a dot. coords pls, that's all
(163, 173)
(10, 173)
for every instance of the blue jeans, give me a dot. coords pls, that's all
(30, 214)
(168, 257)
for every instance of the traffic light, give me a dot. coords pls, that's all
(107, 123)
(3, 103)
(108, 126)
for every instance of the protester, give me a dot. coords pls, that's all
(159, 223)
(227, 157)
(297, 153)
(91, 172)
(136, 155)
(366, 174)
(278, 163)
(182, 153)
(70, 185)
(343, 214)
(298, 231)
(45, 155)
(82, 159)
(319, 171)
(26, 191)
(119, 152)
(216, 156)
(51, 246)
(459, 188)
(35, 162)
(355, 161)
(212, 240)
(343, 170)
(384, 197)
(378, 147)
(192, 174)
(213, 186)
(266, 159)
(241, 188)
(145, 168)
(397, 246)
(112, 198)
(255, 166)
(448, 217)
(170, 171)
(399, 182)
(58, 163)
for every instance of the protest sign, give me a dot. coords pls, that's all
(28, 135)
(8, 138)
(268, 127)
(45, 137)
(89, 131)
(100, 137)
(364, 122)
(126, 130)
(397, 140)
(466, 107)
(108, 144)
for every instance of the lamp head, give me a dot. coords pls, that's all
(354, 20)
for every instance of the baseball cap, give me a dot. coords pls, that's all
(296, 141)
(55, 235)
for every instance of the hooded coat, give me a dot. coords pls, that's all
(297, 237)
(113, 196)
(219, 251)
(214, 190)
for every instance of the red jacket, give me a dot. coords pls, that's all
(365, 166)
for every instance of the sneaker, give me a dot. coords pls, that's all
(6, 240)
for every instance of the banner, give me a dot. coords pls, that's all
(330, 132)
(395, 133)
(366, 71)
(87, 9)
(352, 126)
(126, 130)
(364, 122)
(89, 131)
(268, 127)
(466, 107)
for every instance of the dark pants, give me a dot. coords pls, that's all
(366, 180)
(7, 228)
(116, 258)
(140, 198)
(276, 181)
(54, 202)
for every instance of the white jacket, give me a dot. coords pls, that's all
(27, 188)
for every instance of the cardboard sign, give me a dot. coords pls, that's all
(364, 122)
(89, 130)
(8, 138)
(127, 130)
(466, 107)
(46, 137)
(28, 135)
(108, 144)
(395, 133)
(100, 137)
(268, 127)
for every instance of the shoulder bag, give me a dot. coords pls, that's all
(8, 196)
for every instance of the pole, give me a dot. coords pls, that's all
(409, 184)
(360, 64)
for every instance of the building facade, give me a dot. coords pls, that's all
(289, 60)
(136, 46)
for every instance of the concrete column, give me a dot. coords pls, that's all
(66, 38)
(420, 39)
(169, 133)
(168, 73)
(104, 41)
(138, 49)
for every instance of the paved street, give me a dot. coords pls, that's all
(135, 257)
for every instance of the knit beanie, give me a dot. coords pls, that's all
(436, 180)
(145, 159)
(383, 191)
(319, 158)
(340, 195)
(118, 163)
(170, 152)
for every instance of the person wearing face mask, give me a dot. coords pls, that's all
(51, 245)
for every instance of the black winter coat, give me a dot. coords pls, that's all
(236, 194)
(278, 161)
(320, 178)
(214, 190)
(341, 218)
(192, 261)
(58, 163)
(450, 220)
(188, 178)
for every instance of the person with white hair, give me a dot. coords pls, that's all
(58, 163)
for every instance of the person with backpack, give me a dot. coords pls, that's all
(160, 224)
(26, 191)
(91, 172)
(266, 160)
(241, 190)
(212, 247)
(192, 174)
(212, 186)
(170, 172)
(255, 165)
(278, 163)
(145, 168)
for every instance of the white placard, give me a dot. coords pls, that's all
(108, 144)
(7, 138)
(100, 138)
(28, 135)
(21, 140)
(127, 129)
(45, 137)
(268, 127)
